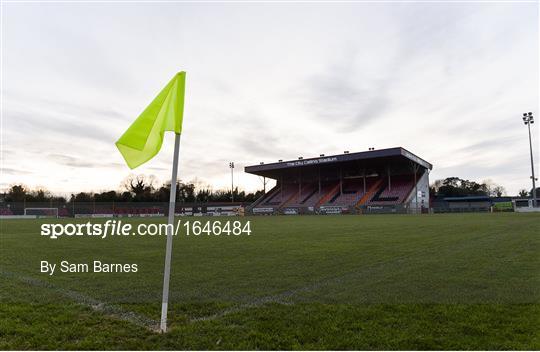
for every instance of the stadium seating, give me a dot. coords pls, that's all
(103, 211)
(5, 211)
(132, 211)
(308, 191)
(400, 187)
(352, 194)
(353, 190)
(282, 194)
(309, 195)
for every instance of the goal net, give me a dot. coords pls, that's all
(42, 212)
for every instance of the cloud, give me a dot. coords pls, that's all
(155, 168)
(71, 161)
(343, 96)
(503, 143)
(445, 80)
(12, 171)
(67, 160)
(35, 123)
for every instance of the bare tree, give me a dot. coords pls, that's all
(489, 186)
(498, 191)
(139, 184)
(523, 193)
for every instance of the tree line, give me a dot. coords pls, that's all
(457, 187)
(140, 188)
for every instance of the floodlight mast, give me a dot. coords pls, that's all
(528, 119)
(231, 165)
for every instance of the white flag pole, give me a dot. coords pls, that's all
(168, 250)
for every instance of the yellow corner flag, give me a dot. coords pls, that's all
(143, 139)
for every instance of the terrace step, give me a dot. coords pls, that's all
(369, 193)
(325, 198)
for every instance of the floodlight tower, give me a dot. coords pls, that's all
(231, 165)
(528, 119)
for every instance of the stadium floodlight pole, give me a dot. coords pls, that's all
(528, 119)
(231, 165)
(168, 250)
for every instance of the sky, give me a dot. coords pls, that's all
(447, 81)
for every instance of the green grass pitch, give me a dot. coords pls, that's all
(455, 281)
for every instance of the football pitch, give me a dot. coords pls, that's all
(448, 281)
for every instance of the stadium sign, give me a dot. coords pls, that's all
(332, 209)
(18, 216)
(93, 215)
(272, 170)
(312, 161)
(416, 159)
(263, 210)
(381, 209)
(290, 211)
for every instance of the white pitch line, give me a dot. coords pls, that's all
(94, 304)
(285, 297)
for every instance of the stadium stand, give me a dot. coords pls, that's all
(372, 181)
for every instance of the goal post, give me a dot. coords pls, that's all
(42, 212)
